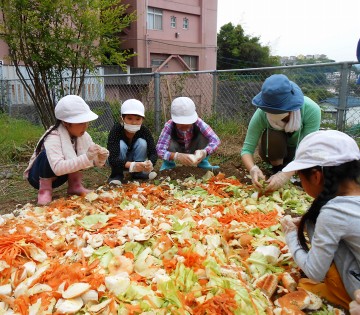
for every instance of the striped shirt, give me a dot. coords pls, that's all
(185, 138)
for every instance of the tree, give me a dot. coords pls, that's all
(237, 50)
(59, 42)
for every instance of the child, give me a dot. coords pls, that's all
(186, 138)
(64, 150)
(328, 165)
(131, 145)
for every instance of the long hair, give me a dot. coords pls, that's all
(334, 176)
(41, 142)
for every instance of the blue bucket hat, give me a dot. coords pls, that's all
(279, 95)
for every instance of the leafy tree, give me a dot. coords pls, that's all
(59, 42)
(237, 50)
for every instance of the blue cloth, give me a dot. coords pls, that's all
(138, 153)
(41, 169)
(167, 165)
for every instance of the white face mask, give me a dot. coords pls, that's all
(132, 128)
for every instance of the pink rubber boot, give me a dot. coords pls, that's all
(75, 184)
(45, 191)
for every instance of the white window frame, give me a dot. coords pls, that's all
(154, 19)
(173, 21)
(185, 23)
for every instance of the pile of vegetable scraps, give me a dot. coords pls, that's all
(198, 246)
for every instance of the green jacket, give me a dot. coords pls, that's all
(310, 122)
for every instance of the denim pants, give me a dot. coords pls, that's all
(42, 169)
(138, 153)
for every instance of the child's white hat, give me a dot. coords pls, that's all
(73, 109)
(324, 148)
(183, 111)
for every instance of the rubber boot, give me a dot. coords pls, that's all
(75, 184)
(167, 165)
(45, 191)
(206, 165)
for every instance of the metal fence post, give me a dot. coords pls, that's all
(215, 78)
(157, 102)
(343, 89)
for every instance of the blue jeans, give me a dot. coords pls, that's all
(42, 169)
(138, 153)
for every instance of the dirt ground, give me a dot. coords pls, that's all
(16, 192)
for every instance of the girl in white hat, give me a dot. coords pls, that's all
(328, 164)
(64, 150)
(131, 145)
(186, 138)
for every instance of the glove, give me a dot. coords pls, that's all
(256, 174)
(200, 155)
(288, 224)
(93, 151)
(102, 156)
(136, 167)
(277, 181)
(184, 159)
(355, 304)
(148, 166)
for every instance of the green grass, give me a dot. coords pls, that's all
(17, 138)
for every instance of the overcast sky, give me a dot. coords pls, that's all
(304, 27)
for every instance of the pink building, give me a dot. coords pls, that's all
(172, 36)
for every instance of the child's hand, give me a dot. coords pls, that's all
(200, 155)
(92, 151)
(355, 305)
(102, 156)
(184, 159)
(288, 224)
(136, 167)
(148, 166)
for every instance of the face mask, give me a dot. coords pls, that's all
(132, 128)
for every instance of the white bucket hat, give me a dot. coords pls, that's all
(132, 107)
(183, 111)
(73, 109)
(324, 148)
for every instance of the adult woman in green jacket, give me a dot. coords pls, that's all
(283, 118)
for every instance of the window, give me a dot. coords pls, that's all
(191, 61)
(154, 18)
(185, 23)
(173, 22)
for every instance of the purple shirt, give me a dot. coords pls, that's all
(185, 138)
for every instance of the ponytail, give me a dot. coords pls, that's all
(41, 142)
(334, 176)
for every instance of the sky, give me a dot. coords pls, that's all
(292, 28)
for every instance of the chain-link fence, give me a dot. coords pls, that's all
(219, 95)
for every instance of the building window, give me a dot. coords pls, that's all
(185, 23)
(173, 22)
(191, 61)
(154, 18)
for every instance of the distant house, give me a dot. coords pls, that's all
(330, 107)
(172, 35)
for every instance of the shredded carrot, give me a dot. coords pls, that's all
(223, 304)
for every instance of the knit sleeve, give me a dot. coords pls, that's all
(56, 158)
(113, 145)
(151, 149)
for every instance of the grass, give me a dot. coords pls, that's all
(17, 139)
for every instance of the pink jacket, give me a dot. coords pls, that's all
(64, 156)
